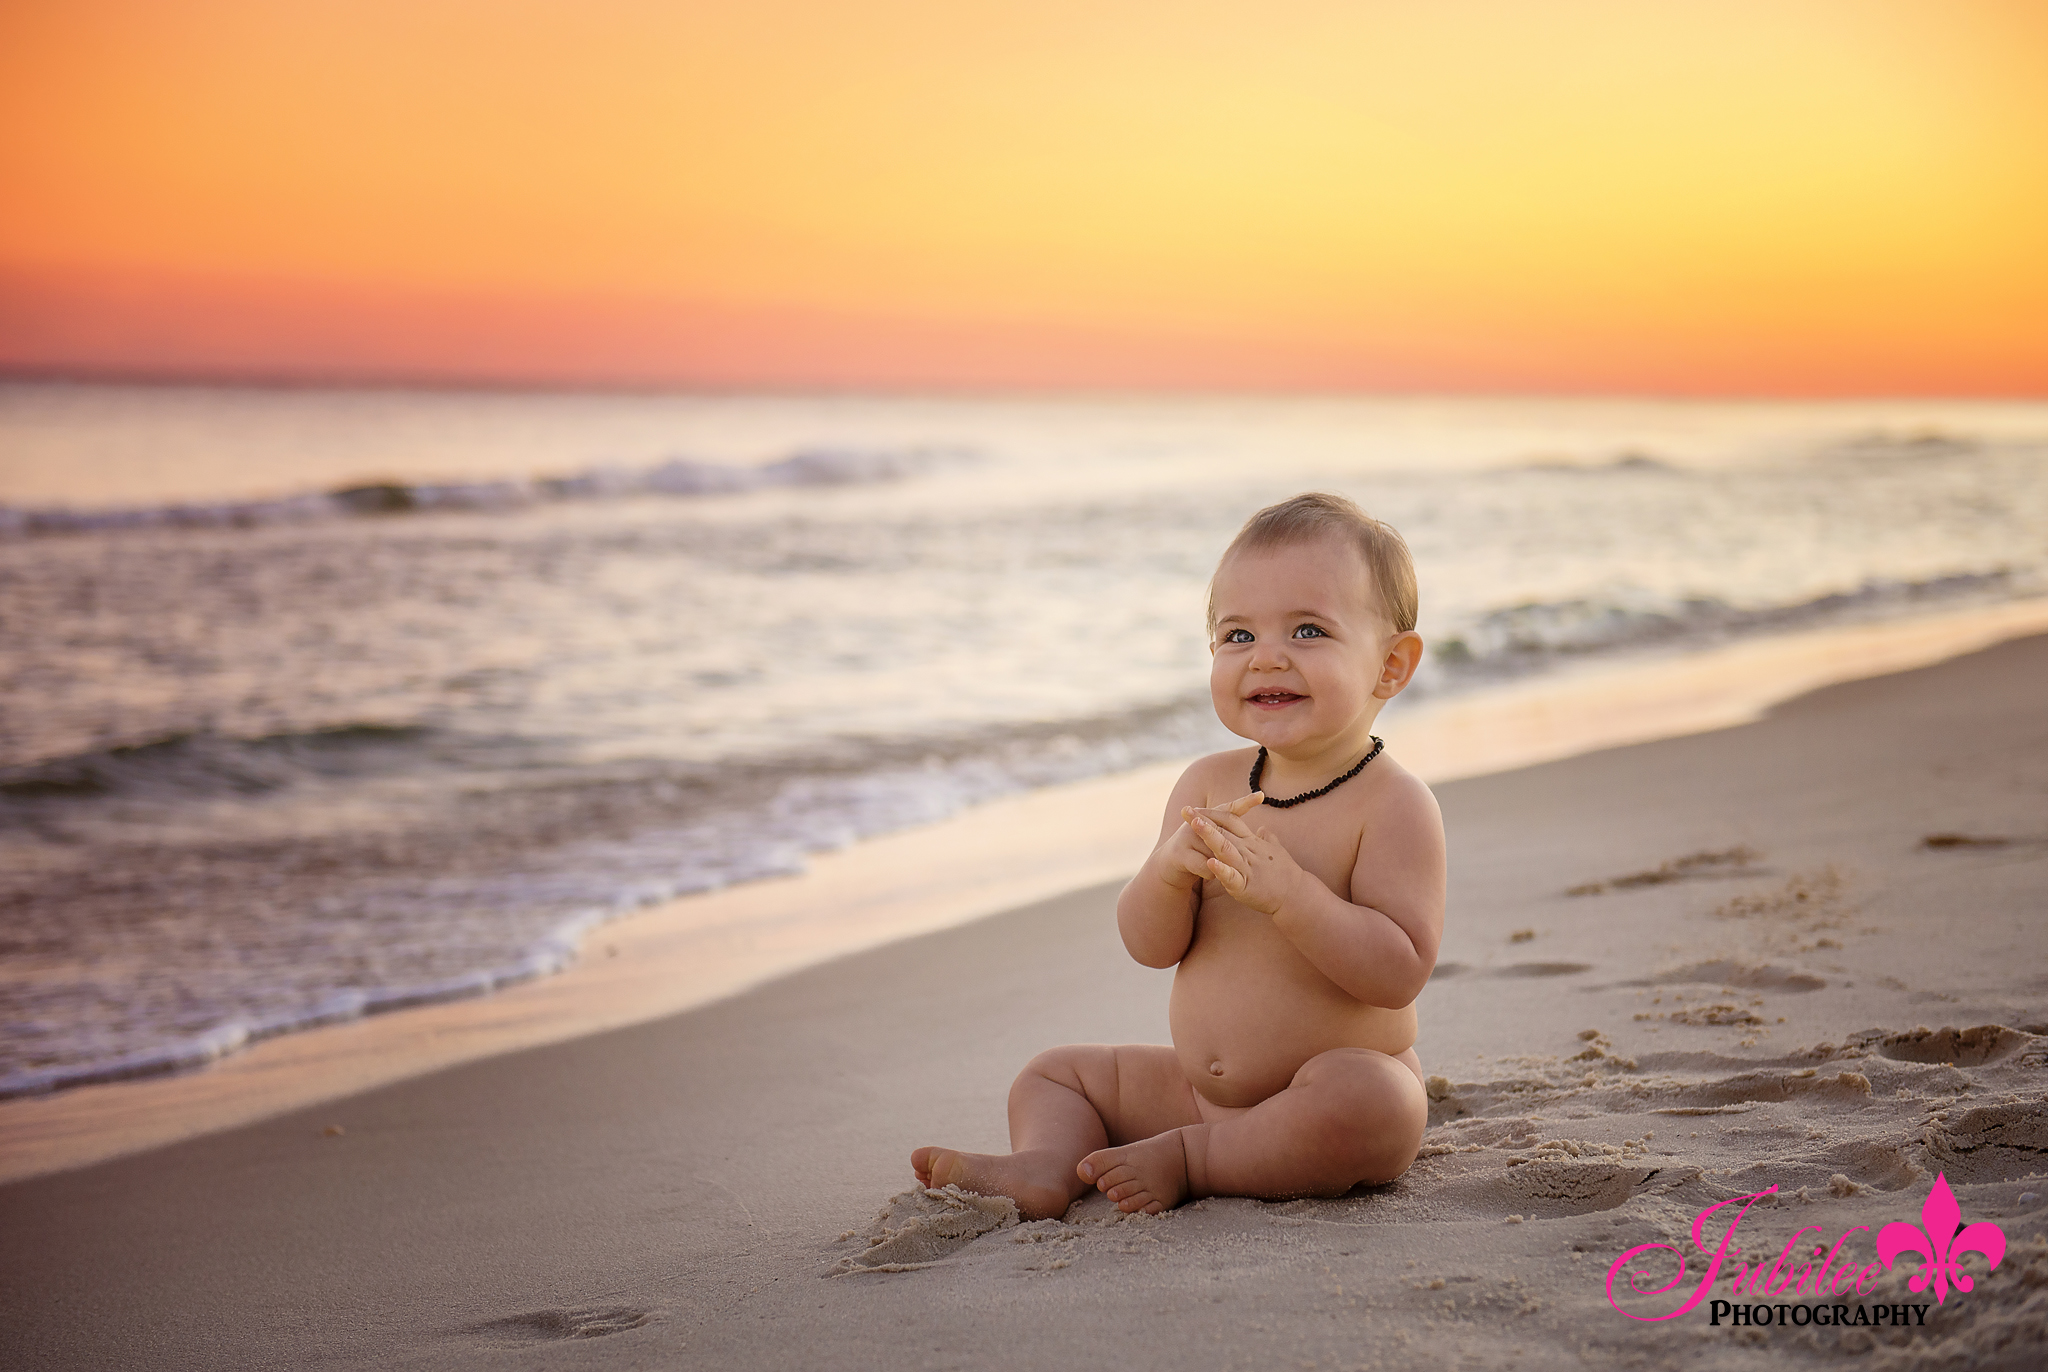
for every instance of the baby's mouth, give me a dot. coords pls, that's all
(1274, 699)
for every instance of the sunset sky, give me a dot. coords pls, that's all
(1778, 197)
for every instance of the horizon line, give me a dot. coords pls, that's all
(171, 377)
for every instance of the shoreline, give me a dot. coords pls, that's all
(997, 857)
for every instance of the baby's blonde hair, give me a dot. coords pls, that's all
(1317, 514)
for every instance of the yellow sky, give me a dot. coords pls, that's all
(1591, 193)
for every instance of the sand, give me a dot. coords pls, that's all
(1770, 976)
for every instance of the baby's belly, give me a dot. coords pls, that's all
(1248, 1010)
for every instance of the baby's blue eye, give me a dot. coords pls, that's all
(1309, 631)
(1238, 636)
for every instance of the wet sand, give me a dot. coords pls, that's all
(1750, 987)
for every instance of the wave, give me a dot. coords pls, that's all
(1629, 461)
(551, 954)
(1521, 638)
(1925, 444)
(677, 477)
(201, 764)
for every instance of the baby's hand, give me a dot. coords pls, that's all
(1184, 858)
(1253, 866)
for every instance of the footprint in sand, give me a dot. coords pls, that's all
(1961, 1047)
(1770, 1086)
(1691, 867)
(589, 1322)
(1728, 972)
(1557, 1186)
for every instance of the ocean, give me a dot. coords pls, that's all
(315, 704)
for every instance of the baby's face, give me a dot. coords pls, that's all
(1299, 646)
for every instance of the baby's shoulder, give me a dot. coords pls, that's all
(1216, 779)
(1398, 808)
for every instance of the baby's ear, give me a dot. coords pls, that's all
(1397, 667)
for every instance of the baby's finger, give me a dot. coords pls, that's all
(1228, 821)
(1244, 803)
(1232, 879)
(1216, 840)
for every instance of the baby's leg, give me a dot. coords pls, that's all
(1067, 1103)
(1350, 1115)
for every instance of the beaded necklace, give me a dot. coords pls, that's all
(1259, 768)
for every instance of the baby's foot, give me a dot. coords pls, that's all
(1036, 1181)
(1150, 1175)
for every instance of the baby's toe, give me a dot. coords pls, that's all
(1107, 1171)
(1098, 1167)
(935, 1166)
(1124, 1183)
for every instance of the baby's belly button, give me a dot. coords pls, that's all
(1216, 1068)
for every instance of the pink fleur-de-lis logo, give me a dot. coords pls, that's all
(1938, 1244)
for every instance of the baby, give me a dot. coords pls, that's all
(1304, 916)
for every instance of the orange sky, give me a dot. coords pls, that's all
(1792, 196)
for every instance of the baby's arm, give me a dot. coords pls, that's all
(1156, 912)
(1381, 944)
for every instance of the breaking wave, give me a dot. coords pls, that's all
(1521, 638)
(679, 476)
